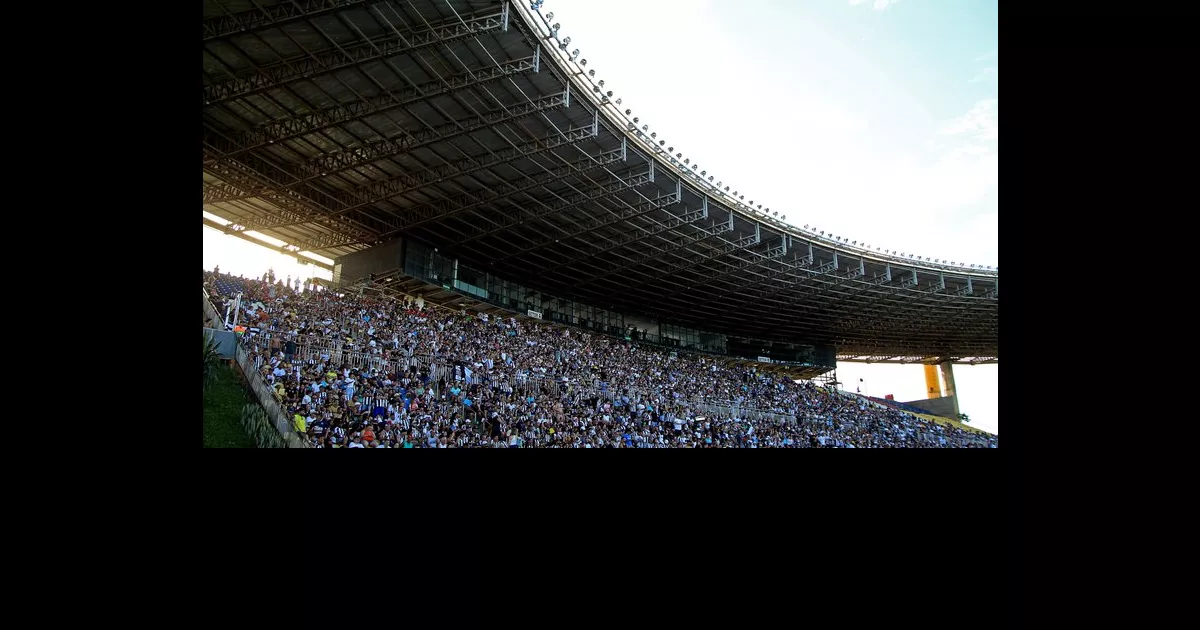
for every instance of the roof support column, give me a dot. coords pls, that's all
(948, 380)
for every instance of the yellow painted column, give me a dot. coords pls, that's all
(932, 387)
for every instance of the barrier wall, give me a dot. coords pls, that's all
(211, 317)
(279, 418)
(943, 406)
(226, 341)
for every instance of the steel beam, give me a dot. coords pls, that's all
(616, 185)
(293, 207)
(669, 270)
(373, 151)
(591, 224)
(400, 184)
(453, 206)
(591, 249)
(658, 255)
(777, 251)
(217, 192)
(290, 128)
(277, 15)
(326, 61)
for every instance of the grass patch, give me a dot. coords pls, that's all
(223, 403)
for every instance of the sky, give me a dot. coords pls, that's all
(239, 257)
(874, 120)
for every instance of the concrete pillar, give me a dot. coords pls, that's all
(948, 379)
(932, 387)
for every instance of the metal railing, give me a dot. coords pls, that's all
(266, 397)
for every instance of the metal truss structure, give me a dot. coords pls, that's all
(337, 125)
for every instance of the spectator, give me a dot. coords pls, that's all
(401, 375)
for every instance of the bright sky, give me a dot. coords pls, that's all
(869, 119)
(237, 256)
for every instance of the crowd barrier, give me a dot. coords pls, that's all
(279, 418)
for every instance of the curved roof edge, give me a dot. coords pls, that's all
(541, 28)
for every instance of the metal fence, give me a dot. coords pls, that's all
(279, 419)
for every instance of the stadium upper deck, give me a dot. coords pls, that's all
(336, 125)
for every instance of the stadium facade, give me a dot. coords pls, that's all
(466, 151)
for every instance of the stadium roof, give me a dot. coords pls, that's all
(336, 125)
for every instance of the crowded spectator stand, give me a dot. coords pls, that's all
(389, 371)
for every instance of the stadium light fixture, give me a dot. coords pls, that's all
(687, 160)
(635, 119)
(591, 73)
(609, 94)
(726, 189)
(661, 142)
(678, 155)
(670, 148)
(583, 62)
(645, 127)
(618, 101)
(783, 217)
(627, 112)
(710, 178)
(567, 42)
(555, 27)
(575, 53)
(601, 82)
(703, 173)
(654, 135)
(549, 16)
